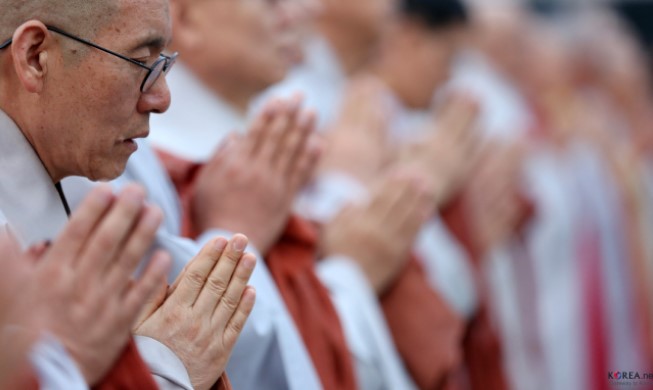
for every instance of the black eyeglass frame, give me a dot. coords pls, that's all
(168, 60)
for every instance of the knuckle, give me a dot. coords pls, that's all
(106, 243)
(233, 255)
(235, 327)
(195, 279)
(230, 304)
(217, 286)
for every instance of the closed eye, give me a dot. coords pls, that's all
(140, 61)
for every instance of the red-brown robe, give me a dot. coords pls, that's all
(425, 330)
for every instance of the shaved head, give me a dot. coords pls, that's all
(86, 17)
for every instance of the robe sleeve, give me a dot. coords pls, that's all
(427, 332)
(167, 369)
(376, 359)
(54, 367)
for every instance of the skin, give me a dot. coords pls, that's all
(358, 143)
(354, 29)
(64, 285)
(40, 95)
(249, 46)
(95, 139)
(265, 169)
(378, 235)
(449, 152)
(201, 316)
(431, 53)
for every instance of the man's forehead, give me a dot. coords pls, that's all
(142, 23)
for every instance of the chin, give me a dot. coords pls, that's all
(108, 171)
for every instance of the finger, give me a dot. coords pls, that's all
(237, 322)
(9, 246)
(419, 207)
(307, 164)
(145, 295)
(387, 196)
(406, 209)
(296, 144)
(218, 281)
(120, 271)
(458, 116)
(290, 136)
(191, 282)
(83, 222)
(274, 133)
(110, 235)
(256, 134)
(227, 306)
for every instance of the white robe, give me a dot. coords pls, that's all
(34, 212)
(378, 365)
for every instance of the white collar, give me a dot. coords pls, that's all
(322, 60)
(198, 120)
(28, 198)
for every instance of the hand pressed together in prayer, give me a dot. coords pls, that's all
(492, 196)
(264, 170)
(379, 234)
(449, 151)
(357, 143)
(202, 314)
(80, 287)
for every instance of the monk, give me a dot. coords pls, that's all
(43, 141)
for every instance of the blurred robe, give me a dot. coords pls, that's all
(322, 82)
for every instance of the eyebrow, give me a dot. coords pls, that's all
(155, 42)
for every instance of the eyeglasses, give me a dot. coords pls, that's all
(161, 66)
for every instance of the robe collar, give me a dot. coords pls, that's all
(28, 197)
(197, 121)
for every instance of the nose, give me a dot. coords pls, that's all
(156, 99)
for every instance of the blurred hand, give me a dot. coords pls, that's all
(251, 183)
(80, 289)
(17, 272)
(358, 142)
(492, 196)
(202, 314)
(449, 151)
(379, 235)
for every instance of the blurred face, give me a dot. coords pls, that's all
(241, 40)
(427, 63)
(297, 23)
(93, 106)
(365, 17)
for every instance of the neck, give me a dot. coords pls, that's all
(353, 54)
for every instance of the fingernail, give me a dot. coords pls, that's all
(153, 218)
(240, 243)
(219, 244)
(134, 195)
(249, 261)
(104, 194)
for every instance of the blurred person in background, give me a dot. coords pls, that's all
(283, 153)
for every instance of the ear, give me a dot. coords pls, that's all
(29, 51)
(183, 17)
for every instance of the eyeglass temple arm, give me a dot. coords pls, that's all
(5, 44)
